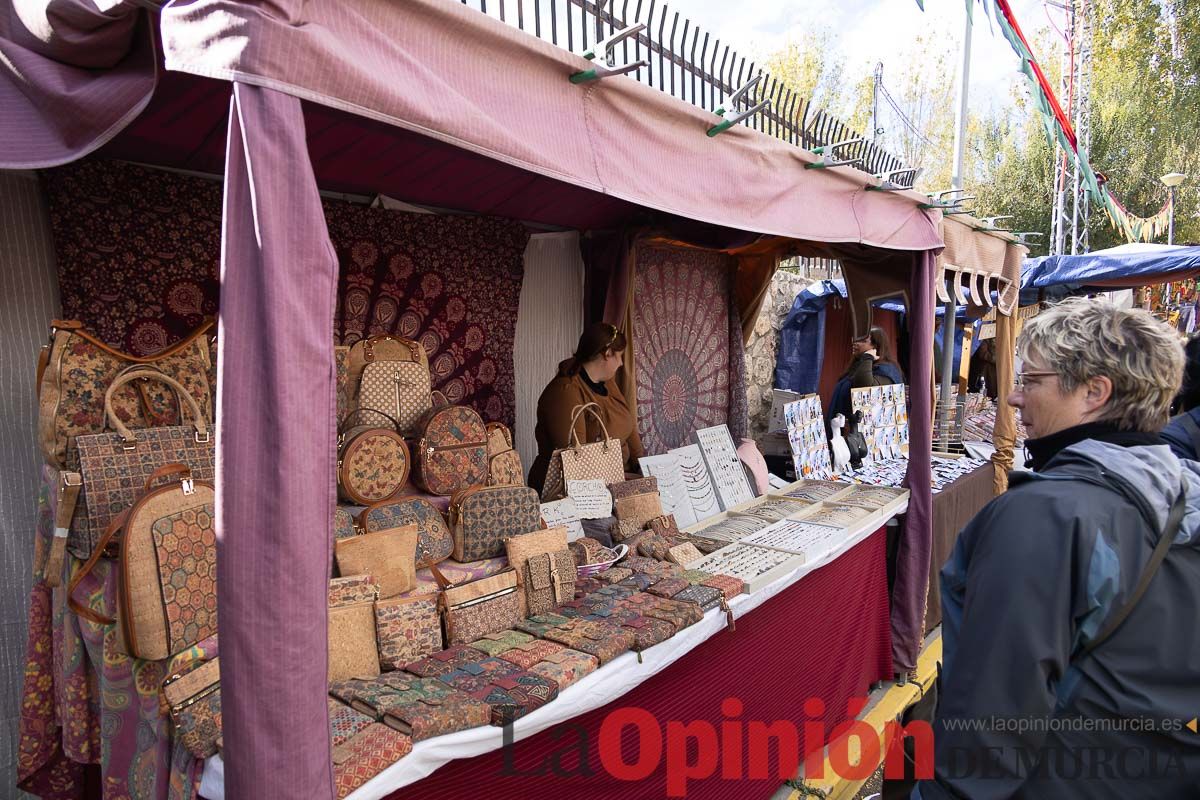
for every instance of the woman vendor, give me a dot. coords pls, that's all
(586, 377)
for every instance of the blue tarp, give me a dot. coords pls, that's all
(1126, 266)
(802, 339)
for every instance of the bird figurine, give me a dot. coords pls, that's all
(841, 452)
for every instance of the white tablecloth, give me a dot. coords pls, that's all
(595, 690)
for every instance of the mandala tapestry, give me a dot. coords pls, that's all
(138, 253)
(681, 344)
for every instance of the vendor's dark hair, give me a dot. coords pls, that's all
(882, 346)
(596, 339)
(1189, 393)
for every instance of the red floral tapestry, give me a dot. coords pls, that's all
(139, 252)
(451, 283)
(681, 335)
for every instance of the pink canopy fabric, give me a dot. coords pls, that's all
(275, 455)
(446, 71)
(441, 73)
(72, 76)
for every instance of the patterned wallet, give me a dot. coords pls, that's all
(344, 721)
(365, 755)
(526, 655)
(496, 643)
(538, 624)
(566, 667)
(447, 660)
(603, 640)
(427, 707)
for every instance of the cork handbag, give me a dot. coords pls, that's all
(482, 517)
(504, 463)
(114, 466)
(407, 628)
(373, 461)
(396, 383)
(193, 701)
(549, 581)
(167, 568)
(434, 540)
(472, 610)
(389, 556)
(450, 453)
(521, 547)
(353, 652)
(76, 369)
(601, 460)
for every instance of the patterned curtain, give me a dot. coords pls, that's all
(681, 339)
(138, 251)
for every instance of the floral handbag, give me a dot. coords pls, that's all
(504, 463)
(450, 453)
(76, 369)
(373, 461)
(407, 628)
(193, 699)
(434, 540)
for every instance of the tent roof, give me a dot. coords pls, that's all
(428, 101)
(1123, 267)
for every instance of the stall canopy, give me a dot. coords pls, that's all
(1125, 267)
(432, 102)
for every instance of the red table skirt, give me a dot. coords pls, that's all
(827, 637)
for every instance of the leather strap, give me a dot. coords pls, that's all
(1174, 519)
(594, 410)
(69, 484)
(97, 553)
(185, 397)
(166, 470)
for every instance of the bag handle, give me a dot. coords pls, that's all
(1174, 519)
(369, 346)
(345, 427)
(594, 410)
(198, 421)
(80, 609)
(167, 470)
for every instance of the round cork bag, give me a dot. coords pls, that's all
(373, 462)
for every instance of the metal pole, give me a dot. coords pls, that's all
(956, 181)
(1171, 217)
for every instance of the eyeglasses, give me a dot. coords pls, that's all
(1020, 380)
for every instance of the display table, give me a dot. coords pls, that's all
(819, 631)
(953, 508)
(825, 636)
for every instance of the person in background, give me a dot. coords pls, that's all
(586, 377)
(871, 364)
(1069, 603)
(1182, 433)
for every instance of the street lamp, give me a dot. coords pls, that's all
(1171, 180)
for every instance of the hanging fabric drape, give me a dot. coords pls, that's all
(275, 455)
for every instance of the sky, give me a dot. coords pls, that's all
(871, 31)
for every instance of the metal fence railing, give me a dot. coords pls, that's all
(692, 65)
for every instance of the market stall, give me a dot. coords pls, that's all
(406, 117)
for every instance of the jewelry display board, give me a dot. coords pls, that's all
(756, 566)
(817, 491)
(872, 497)
(806, 438)
(724, 466)
(696, 481)
(672, 489)
(799, 537)
(884, 424)
(836, 514)
(774, 509)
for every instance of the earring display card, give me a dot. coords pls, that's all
(800, 538)
(672, 489)
(724, 466)
(885, 420)
(697, 482)
(755, 566)
(806, 438)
